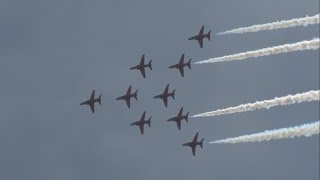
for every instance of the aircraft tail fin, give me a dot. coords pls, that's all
(149, 64)
(149, 121)
(135, 95)
(201, 143)
(187, 116)
(189, 64)
(208, 35)
(173, 93)
(99, 99)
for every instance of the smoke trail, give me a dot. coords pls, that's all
(266, 104)
(299, 46)
(306, 130)
(275, 25)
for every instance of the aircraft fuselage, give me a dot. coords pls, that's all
(139, 67)
(125, 97)
(88, 102)
(178, 118)
(197, 37)
(163, 96)
(139, 123)
(174, 119)
(191, 144)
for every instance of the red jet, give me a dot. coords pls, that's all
(91, 101)
(181, 65)
(142, 122)
(194, 143)
(165, 95)
(128, 96)
(142, 66)
(201, 36)
(179, 118)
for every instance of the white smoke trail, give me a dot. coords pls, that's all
(306, 130)
(276, 25)
(299, 46)
(266, 104)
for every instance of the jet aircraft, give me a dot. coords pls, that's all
(194, 143)
(179, 118)
(201, 36)
(142, 122)
(165, 95)
(181, 65)
(91, 101)
(128, 96)
(142, 66)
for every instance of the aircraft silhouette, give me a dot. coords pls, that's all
(128, 96)
(165, 95)
(181, 65)
(142, 66)
(91, 101)
(179, 118)
(194, 143)
(142, 122)
(201, 36)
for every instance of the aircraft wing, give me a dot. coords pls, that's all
(180, 112)
(143, 72)
(92, 95)
(143, 116)
(193, 150)
(181, 62)
(92, 107)
(195, 138)
(200, 41)
(165, 101)
(128, 102)
(166, 90)
(201, 31)
(129, 91)
(142, 61)
(181, 71)
(179, 124)
(141, 128)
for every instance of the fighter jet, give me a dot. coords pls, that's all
(165, 95)
(194, 143)
(128, 96)
(201, 36)
(179, 118)
(91, 101)
(181, 65)
(142, 122)
(142, 66)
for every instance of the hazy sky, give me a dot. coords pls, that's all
(54, 53)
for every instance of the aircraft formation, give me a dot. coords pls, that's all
(164, 96)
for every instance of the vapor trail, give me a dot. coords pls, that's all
(306, 130)
(299, 46)
(276, 25)
(266, 104)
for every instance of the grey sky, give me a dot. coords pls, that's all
(54, 53)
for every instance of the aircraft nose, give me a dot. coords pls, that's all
(171, 119)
